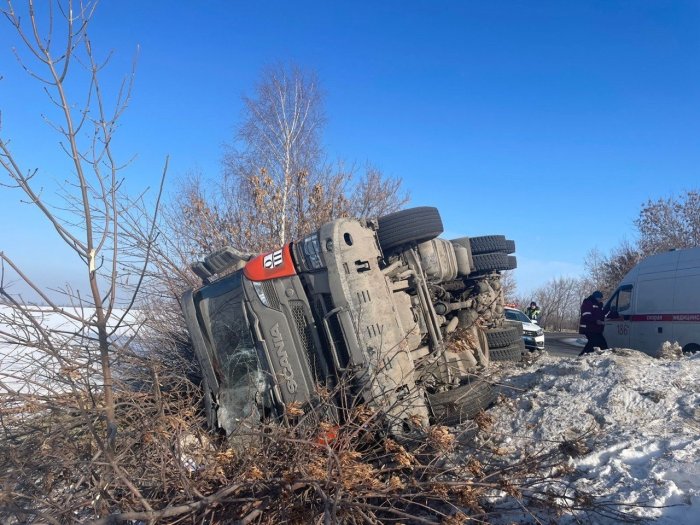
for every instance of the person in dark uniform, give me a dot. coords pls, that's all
(592, 321)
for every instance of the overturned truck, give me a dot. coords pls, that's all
(406, 319)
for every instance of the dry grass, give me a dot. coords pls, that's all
(168, 469)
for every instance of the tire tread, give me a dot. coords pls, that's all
(412, 225)
(462, 403)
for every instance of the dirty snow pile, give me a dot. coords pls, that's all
(635, 420)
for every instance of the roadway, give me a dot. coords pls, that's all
(563, 344)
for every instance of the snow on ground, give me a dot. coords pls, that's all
(32, 367)
(637, 417)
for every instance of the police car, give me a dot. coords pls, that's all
(533, 335)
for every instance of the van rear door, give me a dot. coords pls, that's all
(618, 318)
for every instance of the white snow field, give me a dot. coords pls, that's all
(637, 421)
(33, 370)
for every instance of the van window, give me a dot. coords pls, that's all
(621, 300)
(624, 299)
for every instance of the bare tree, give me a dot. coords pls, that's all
(669, 223)
(200, 220)
(61, 350)
(278, 146)
(375, 194)
(276, 184)
(559, 300)
(662, 225)
(604, 272)
(509, 286)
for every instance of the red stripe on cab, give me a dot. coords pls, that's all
(271, 265)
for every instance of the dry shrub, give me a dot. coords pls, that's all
(322, 468)
(670, 350)
(462, 340)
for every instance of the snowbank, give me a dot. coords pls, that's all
(636, 420)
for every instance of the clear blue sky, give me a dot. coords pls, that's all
(550, 122)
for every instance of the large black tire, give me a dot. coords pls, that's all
(512, 262)
(487, 262)
(414, 225)
(510, 246)
(502, 337)
(691, 348)
(463, 402)
(513, 352)
(488, 244)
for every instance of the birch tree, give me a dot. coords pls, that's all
(277, 184)
(278, 146)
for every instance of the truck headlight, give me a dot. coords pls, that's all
(258, 287)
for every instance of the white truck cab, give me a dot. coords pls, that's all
(657, 301)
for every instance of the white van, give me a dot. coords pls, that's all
(657, 301)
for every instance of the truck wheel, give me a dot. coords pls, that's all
(691, 348)
(512, 262)
(510, 246)
(502, 337)
(490, 261)
(488, 244)
(512, 352)
(414, 225)
(463, 402)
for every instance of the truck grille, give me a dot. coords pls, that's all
(304, 331)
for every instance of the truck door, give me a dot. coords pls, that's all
(618, 318)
